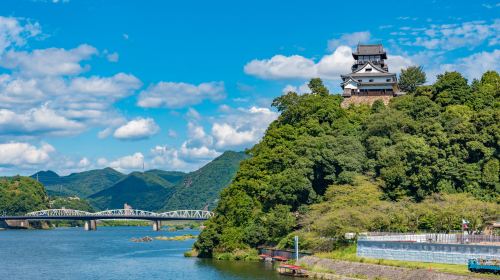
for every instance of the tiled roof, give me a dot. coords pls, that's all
(370, 49)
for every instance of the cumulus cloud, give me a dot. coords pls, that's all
(48, 62)
(349, 39)
(298, 67)
(140, 128)
(22, 154)
(242, 127)
(37, 120)
(130, 162)
(178, 95)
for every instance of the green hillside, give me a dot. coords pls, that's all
(437, 145)
(173, 177)
(19, 195)
(201, 188)
(167, 190)
(145, 191)
(81, 184)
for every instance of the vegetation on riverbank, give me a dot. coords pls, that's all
(428, 151)
(176, 238)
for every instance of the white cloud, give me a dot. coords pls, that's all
(37, 120)
(129, 162)
(84, 163)
(48, 62)
(242, 127)
(475, 65)
(178, 95)
(350, 39)
(79, 102)
(193, 114)
(14, 32)
(140, 128)
(298, 67)
(398, 62)
(22, 154)
(301, 89)
(171, 133)
(113, 57)
(453, 36)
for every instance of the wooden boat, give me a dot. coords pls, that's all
(292, 270)
(279, 259)
(266, 258)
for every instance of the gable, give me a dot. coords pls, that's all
(369, 68)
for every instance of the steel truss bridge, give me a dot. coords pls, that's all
(116, 214)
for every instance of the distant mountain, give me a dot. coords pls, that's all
(81, 184)
(151, 190)
(202, 187)
(173, 177)
(145, 191)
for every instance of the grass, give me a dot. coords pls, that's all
(349, 254)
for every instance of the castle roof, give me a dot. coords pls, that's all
(377, 49)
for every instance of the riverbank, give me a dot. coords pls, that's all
(323, 268)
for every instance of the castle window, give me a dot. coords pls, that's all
(360, 81)
(371, 80)
(368, 70)
(388, 80)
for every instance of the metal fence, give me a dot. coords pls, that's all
(426, 252)
(442, 238)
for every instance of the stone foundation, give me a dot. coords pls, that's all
(368, 100)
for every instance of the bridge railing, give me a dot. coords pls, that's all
(58, 213)
(177, 214)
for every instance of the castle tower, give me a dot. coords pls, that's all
(370, 78)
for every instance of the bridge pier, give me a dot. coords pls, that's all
(156, 225)
(90, 225)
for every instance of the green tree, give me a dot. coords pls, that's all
(410, 78)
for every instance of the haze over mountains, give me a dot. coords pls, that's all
(150, 190)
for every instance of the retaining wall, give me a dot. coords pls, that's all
(425, 252)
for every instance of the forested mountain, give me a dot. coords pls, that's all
(145, 191)
(19, 195)
(167, 190)
(437, 145)
(81, 184)
(201, 188)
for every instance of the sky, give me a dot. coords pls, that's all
(88, 84)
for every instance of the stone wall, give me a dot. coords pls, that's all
(357, 100)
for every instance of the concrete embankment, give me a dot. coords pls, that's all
(333, 269)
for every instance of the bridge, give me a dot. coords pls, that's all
(90, 219)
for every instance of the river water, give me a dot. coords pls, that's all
(108, 253)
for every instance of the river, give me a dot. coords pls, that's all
(108, 253)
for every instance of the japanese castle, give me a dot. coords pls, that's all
(370, 78)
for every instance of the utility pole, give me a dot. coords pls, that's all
(296, 239)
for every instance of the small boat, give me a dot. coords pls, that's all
(279, 259)
(266, 258)
(292, 270)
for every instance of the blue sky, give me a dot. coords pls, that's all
(173, 84)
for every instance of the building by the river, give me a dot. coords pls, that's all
(370, 78)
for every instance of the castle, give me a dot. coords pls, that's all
(370, 78)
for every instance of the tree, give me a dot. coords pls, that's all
(411, 77)
(317, 87)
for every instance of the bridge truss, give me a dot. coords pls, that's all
(125, 213)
